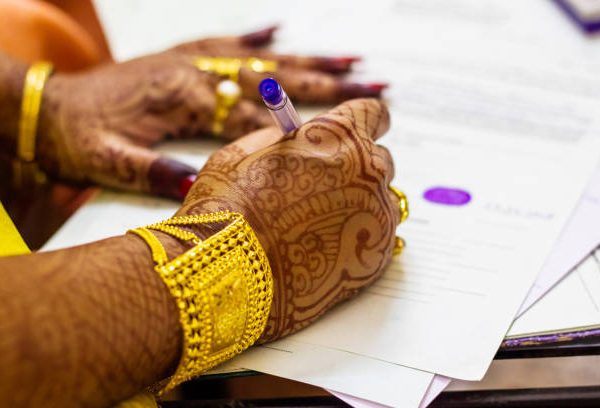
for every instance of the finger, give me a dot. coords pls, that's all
(258, 38)
(197, 111)
(248, 45)
(170, 178)
(382, 161)
(311, 86)
(332, 65)
(118, 163)
(367, 118)
(245, 117)
(208, 46)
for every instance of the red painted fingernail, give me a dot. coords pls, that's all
(337, 65)
(261, 37)
(167, 177)
(349, 60)
(353, 90)
(186, 184)
(377, 86)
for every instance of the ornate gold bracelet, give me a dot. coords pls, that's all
(223, 287)
(25, 168)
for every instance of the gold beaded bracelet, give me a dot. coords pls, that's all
(223, 287)
(25, 169)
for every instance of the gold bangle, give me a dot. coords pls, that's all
(25, 168)
(399, 243)
(402, 203)
(223, 287)
(228, 91)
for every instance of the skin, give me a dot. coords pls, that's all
(92, 325)
(97, 125)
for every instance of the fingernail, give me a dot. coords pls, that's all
(353, 90)
(337, 65)
(259, 38)
(167, 178)
(186, 184)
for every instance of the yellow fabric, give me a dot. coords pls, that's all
(11, 242)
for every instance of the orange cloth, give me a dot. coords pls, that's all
(32, 30)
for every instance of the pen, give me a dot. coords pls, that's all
(281, 109)
(279, 105)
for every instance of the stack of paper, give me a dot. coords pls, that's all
(483, 98)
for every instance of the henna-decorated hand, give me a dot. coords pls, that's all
(319, 203)
(97, 125)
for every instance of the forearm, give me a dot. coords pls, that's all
(86, 326)
(12, 75)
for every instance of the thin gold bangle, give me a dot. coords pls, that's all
(25, 167)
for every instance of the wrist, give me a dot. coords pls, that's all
(168, 343)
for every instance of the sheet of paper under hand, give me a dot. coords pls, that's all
(576, 241)
(580, 290)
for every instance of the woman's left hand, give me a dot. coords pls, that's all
(97, 125)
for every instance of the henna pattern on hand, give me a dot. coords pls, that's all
(319, 203)
(97, 125)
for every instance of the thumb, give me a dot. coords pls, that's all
(170, 178)
(369, 118)
(127, 166)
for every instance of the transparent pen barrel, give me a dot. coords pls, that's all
(285, 115)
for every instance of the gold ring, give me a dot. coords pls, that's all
(227, 96)
(230, 67)
(228, 91)
(399, 245)
(402, 203)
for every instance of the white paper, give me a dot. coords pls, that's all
(392, 385)
(578, 239)
(575, 242)
(574, 303)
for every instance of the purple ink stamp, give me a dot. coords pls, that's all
(447, 196)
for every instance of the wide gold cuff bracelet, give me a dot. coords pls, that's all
(223, 287)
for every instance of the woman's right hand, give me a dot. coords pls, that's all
(319, 203)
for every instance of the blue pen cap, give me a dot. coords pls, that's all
(271, 91)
